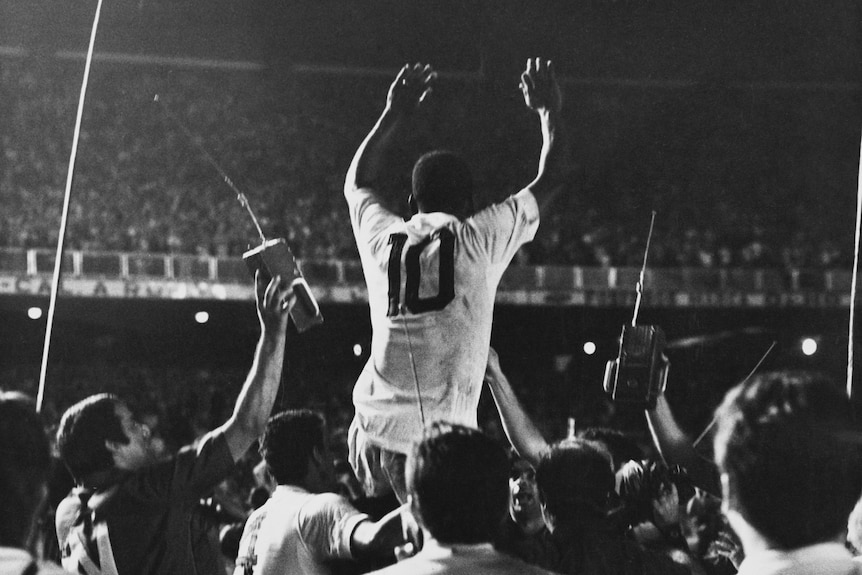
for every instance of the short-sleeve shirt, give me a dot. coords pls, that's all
(298, 532)
(476, 559)
(149, 512)
(431, 286)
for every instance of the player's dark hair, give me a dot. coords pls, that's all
(442, 182)
(83, 431)
(25, 463)
(787, 443)
(457, 477)
(289, 441)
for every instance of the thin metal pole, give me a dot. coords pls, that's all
(61, 239)
(853, 282)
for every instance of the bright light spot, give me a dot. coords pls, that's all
(809, 346)
(34, 312)
(357, 350)
(202, 317)
(589, 348)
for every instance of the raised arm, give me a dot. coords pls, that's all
(542, 94)
(378, 538)
(676, 448)
(520, 429)
(255, 401)
(410, 88)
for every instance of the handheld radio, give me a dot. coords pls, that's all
(639, 374)
(271, 257)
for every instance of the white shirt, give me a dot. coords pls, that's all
(431, 287)
(13, 562)
(299, 532)
(820, 559)
(480, 559)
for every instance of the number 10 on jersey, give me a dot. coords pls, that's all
(413, 273)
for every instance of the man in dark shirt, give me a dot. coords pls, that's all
(576, 482)
(132, 513)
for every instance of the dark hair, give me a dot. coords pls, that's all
(26, 464)
(642, 483)
(442, 183)
(458, 478)
(787, 443)
(83, 431)
(621, 446)
(575, 481)
(288, 443)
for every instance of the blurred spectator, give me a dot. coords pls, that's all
(138, 512)
(621, 447)
(26, 464)
(304, 527)
(523, 532)
(140, 185)
(791, 471)
(456, 479)
(653, 502)
(576, 483)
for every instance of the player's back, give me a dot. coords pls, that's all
(431, 287)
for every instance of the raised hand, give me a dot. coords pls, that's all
(540, 87)
(410, 88)
(274, 302)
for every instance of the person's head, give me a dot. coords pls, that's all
(642, 483)
(456, 479)
(576, 481)
(295, 450)
(100, 433)
(25, 463)
(621, 447)
(442, 182)
(789, 458)
(524, 507)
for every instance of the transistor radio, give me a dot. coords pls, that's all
(639, 373)
(274, 258)
(271, 257)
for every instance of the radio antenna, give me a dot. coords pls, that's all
(640, 285)
(747, 377)
(243, 201)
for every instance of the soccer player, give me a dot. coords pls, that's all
(432, 279)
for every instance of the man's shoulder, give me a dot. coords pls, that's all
(69, 506)
(326, 503)
(65, 515)
(477, 562)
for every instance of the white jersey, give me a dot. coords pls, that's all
(431, 287)
(297, 532)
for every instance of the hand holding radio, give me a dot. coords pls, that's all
(639, 374)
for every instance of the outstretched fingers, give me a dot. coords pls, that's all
(539, 84)
(411, 86)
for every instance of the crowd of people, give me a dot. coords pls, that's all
(142, 185)
(594, 502)
(421, 488)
